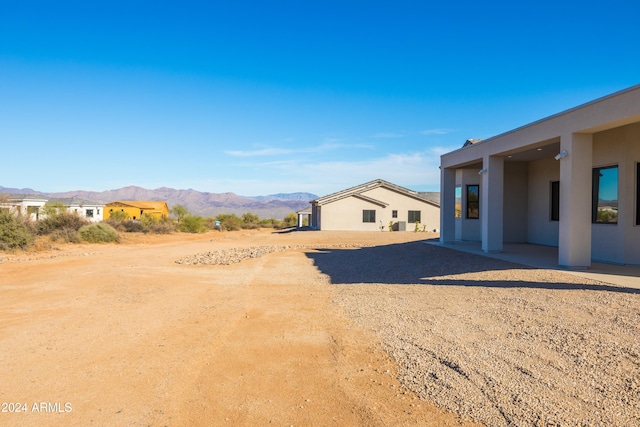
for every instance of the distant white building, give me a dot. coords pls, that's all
(33, 206)
(87, 209)
(22, 204)
(571, 180)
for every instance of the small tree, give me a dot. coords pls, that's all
(179, 212)
(290, 220)
(250, 220)
(229, 222)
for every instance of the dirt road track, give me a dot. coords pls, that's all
(125, 336)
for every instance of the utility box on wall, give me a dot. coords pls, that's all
(400, 226)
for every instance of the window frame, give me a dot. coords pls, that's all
(475, 203)
(554, 201)
(595, 193)
(394, 214)
(411, 217)
(368, 215)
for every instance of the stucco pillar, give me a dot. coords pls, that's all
(447, 205)
(491, 203)
(574, 239)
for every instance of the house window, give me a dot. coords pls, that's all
(414, 216)
(458, 202)
(604, 206)
(98, 211)
(368, 215)
(554, 203)
(473, 201)
(89, 213)
(394, 214)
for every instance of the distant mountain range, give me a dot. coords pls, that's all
(198, 203)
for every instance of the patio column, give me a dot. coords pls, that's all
(491, 203)
(447, 205)
(574, 239)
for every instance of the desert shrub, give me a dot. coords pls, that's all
(229, 222)
(290, 220)
(65, 235)
(56, 220)
(100, 232)
(162, 227)
(132, 226)
(148, 221)
(119, 216)
(270, 223)
(192, 224)
(14, 231)
(250, 221)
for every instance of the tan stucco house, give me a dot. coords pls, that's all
(373, 206)
(571, 181)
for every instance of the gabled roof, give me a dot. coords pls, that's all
(362, 188)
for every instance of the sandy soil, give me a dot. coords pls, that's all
(120, 334)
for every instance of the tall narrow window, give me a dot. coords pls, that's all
(555, 201)
(414, 216)
(473, 201)
(605, 195)
(394, 214)
(458, 202)
(368, 215)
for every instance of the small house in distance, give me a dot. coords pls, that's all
(137, 208)
(373, 206)
(87, 209)
(23, 204)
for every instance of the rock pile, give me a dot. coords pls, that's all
(235, 255)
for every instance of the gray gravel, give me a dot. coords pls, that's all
(496, 342)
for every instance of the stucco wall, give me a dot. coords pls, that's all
(516, 202)
(541, 230)
(470, 229)
(346, 214)
(619, 242)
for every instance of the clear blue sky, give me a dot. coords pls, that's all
(261, 97)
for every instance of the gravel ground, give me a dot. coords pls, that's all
(496, 342)
(499, 343)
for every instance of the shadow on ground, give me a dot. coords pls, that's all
(422, 264)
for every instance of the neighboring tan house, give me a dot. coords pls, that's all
(137, 208)
(87, 209)
(571, 180)
(372, 206)
(24, 204)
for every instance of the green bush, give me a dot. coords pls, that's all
(56, 220)
(14, 232)
(65, 235)
(290, 220)
(229, 222)
(192, 224)
(270, 223)
(101, 232)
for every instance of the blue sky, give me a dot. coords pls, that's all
(262, 97)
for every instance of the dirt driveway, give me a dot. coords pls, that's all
(123, 335)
